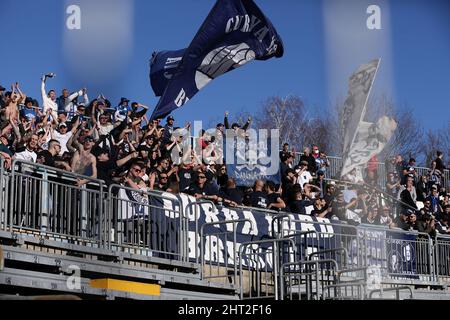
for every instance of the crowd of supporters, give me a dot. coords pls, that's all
(117, 144)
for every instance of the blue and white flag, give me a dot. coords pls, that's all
(234, 33)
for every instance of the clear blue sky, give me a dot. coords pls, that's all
(118, 37)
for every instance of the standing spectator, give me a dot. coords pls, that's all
(49, 100)
(310, 160)
(439, 161)
(322, 162)
(201, 189)
(422, 188)
(392, 184)
(63, 135)
(83, 161)
(50, 157)
(321, 183)
(66, 101)
(284, 153)
(274, 200)
(407, 194)
(168, 129)
(258, 198)
(434, 201)
(304, 175)
(434, 175)
(29, 154)
(231, 194)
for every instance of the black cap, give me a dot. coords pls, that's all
(122, 100)
(234, 125)
(27, 100)
(170, 118)
(220, 125)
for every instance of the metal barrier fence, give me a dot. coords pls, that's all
(40, 199)
(442, 256)
(44, 200)
(136, 222)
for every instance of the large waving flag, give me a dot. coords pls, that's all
(234, 33)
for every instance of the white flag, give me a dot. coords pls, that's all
(360, 84)
(370, 140)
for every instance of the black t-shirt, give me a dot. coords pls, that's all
(272, 198)
(186, 177)
(105, 170)
(49, 159)
(233, 194)
(258, 199)
(207, 190)
(298, 206)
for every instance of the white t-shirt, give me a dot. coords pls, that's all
(26, 155)
(63, 139)
(305, 177)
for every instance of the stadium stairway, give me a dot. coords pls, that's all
(34, 265)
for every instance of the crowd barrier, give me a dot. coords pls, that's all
(267, 254)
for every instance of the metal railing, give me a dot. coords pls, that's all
(45, 199)
(336, 163)
(143, 220)
(442, 256)
(211, 259)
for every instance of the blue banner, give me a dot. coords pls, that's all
(234, 33)
(246, 165)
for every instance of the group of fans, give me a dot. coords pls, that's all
(117, 144)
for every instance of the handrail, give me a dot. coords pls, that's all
(234, 222)
(274, 241)
(67, 174)
(316, 272)
(279, 217)
(189, 207)
(396, 289)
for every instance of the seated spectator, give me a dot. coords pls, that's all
(426, 225)
(371, 217)
(385, 219)
(443, 226)
(402, 220)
